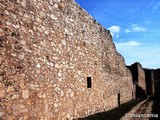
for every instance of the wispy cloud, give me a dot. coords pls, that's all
(138, 28)
(135, 28)
(148, 22)
(115, 30)
(156, 7)
(131, 43)
(127, 30)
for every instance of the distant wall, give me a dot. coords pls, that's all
(141, 77)
(149, 75)
(145, 81)
(50, 52)
(157, 82)
(139, 80)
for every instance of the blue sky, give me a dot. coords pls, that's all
(135, 27)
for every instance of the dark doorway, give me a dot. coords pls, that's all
(119, 99)
(89, 82)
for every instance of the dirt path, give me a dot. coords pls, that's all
(145, 108)
(140, 111)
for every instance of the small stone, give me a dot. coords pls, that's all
(57, 89)
(26, 16)
(51, 2)
(62, 93)
(16, 26)
(22, 85)
(47, 63)
(56, 110)
(83, 89)
(6, 12)
(10, 89)
(53, 17)
(38, 66)
(72, 67)
(24, 30)
(66, 66)
(56, 105)
(21, 106)
(1, 83)
(71, 19)
(21, 56)
(66, 30)
(51, 64)
(79, 72)
(61, 66)
(61, 35)
(61, 6)
(24, 117)
(14, 55)
(55, 6)
(25, 94)
(56, 65)
(68, 116)
(1, 30)
(63, 42)
(38, 71)
(44, 95)
(59, 74)
(43, 28)
(1, 113)
(38, 20)
(71, 94)
(55, 58)
(40, 95)
(2, 93)
(32, 87)
(15, 96)
(42, 14)
(46, 32)
(60, 46)
(8, 23)
(52, 44)
(60, 79)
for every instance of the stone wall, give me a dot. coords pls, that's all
(141, 77)
(138, 78)
(157, 83)
(149, 75)
(49, 50)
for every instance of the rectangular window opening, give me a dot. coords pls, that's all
(89, 82)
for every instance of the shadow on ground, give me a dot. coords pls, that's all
(114, 114)
(156, 107)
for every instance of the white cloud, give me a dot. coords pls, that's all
(127, 44)
(135, 28)
(114, 30)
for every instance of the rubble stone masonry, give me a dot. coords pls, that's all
(141, 77)
(57, 62)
